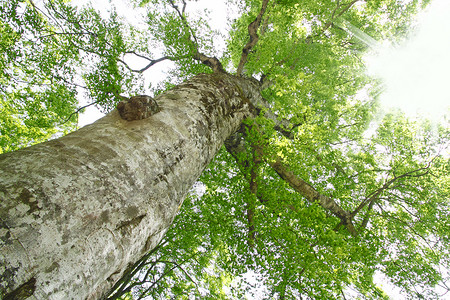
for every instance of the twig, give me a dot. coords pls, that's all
(377, 193)
(152, 63)
(77, 111)
(328, 24)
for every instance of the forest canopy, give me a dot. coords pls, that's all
(313, 198)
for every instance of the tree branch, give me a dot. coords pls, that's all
(236, 144)
(365, 221)
(150, 64)
(77, 111)
(120, 287)
(372, 197)
(312, 195)
(250, 204)
(182, 15)
(253, 33)
(183, 270)
(212, 62)
(334, 16)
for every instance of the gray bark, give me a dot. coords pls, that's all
(77, 211)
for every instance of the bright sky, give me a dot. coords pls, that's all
(416, 73)
(218, 12)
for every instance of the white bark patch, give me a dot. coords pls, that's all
(75, 212)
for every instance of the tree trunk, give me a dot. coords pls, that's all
(77, 211)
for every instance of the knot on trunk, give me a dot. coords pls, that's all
(137, 108)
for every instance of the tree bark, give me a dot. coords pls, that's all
(77, 211)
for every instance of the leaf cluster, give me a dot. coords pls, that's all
(391, 180)
(245, 218)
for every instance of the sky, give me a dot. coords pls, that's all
(416, 73)
(218, 12)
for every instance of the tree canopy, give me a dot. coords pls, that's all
(313, 198)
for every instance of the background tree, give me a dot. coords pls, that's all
(302, 195)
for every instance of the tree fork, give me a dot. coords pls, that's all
(77, 211)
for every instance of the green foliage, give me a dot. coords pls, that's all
(50, 52)
(180, 37)
(34, 99)
(390, 173)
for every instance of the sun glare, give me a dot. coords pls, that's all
(416, 74)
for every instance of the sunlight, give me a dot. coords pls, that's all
(415, 74)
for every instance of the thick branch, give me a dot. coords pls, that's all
(253, 33)
(211, 62)
(307, 191)
(236, 144)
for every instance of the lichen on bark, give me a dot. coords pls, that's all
(77, 211)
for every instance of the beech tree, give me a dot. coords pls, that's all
(260, 163)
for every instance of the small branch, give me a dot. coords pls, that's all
(52, 34)
(149, 65)
(372, 197)
(77, 111)
(335, 9)
(183, 19)
(184, 271)
(156, 282)
(253, 33)
(333, 17)
(366, 217)
(49, 17)
(250, 204)
(119, 287)
(70, 83)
